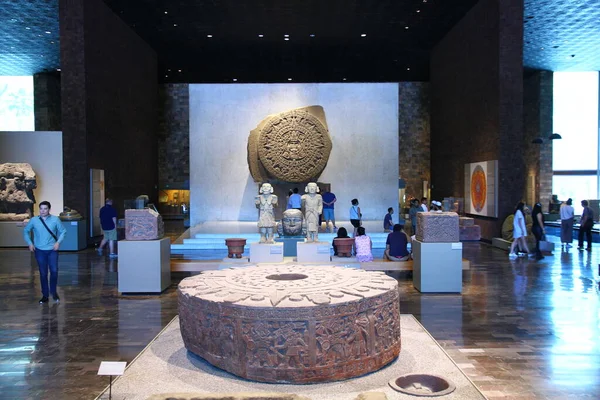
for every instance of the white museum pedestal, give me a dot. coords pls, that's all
(313, 252)
(144, 265)
(437, 267)
(75, 239)
(266, 252)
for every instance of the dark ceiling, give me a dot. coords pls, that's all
(560, 35)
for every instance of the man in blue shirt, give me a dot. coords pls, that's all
(295, 200)
(329, 200)
(48, 234)
(108, 220)
(388, 223)
(396, 245)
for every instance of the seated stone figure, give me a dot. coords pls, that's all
(292, 224)
(17, 181)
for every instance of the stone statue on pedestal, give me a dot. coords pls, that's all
(312, 205)
(266, 220)
(292, 224)
(17, 181)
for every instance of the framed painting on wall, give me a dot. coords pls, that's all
(481, 188)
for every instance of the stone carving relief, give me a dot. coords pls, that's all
(437, 227)
(17, 181)
(143, 224)
(292, 146)
(291, 323)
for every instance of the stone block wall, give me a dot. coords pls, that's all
(174, 135)
(414, 146)
(477, 104)
(46, 101)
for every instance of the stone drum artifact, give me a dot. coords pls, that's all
(291, 323)
(292, 146)
(17, 181)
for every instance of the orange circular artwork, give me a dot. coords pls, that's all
(478, 188)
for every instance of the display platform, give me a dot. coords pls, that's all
(289, 245)
(11, 234)
(437, 267)
(76, 238)
(165, 366)
(266, 252)
(314, 252)
(144, 266)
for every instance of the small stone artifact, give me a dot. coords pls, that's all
(17, 181)
(266, 220)
(235, 247)
(292, 224)
(292, 146)
(312, 204)
(437, 227)
(291, 323)
(69, 214)
(143, 224)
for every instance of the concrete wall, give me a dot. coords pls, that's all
(362, 120)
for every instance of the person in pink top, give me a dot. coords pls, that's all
(363, 246)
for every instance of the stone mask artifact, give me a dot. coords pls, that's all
(292, 223)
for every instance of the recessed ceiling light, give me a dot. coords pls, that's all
(261, 35)
(234, 79)
(51, 42)
(343, 79)
(40, 35)
(287, 38)
(166, 12)
(169, 70)
(166, 76)
(28, 28)
(418, 11)
(541, 48)
(58, 69)
(174, 24)
(178, 70)
(363, 35)
(286, 35)
(312, 35)
(408, 69)
(208, 36)
(48, 32)
(289, 79)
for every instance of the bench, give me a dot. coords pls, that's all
(400, 265)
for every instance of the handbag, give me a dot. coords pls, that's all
(48, 229)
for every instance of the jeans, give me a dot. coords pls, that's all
(47, 259)
(537, 232)
(587, 230)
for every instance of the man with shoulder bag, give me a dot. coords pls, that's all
(48, 234)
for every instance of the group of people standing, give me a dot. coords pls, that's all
(586, 223)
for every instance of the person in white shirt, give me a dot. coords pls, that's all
(424, 204)
(567, 212)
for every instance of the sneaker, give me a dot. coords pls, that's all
(43, 300)
(113, 255)
(569, 246)
(335, 229)
(512, 255)
(55, 297)
(589, 249)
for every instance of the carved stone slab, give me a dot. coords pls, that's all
(291, 323)
(17, 181)
(145, 224)
(466, 221)
(433, 227)
(292, 146)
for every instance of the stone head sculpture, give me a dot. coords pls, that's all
(292, 223)
(312, 188)
(266, 188)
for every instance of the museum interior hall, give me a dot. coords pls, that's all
(299, 200)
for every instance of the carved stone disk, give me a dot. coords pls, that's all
(292, 323)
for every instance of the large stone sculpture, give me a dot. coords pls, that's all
(292, 146)
(143, 224)
(312, 205)
(17, 181)
(266, 220)
(292, 224)
(291, 323)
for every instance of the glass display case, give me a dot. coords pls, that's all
(174, 203)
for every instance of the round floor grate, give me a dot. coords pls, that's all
(422, 385)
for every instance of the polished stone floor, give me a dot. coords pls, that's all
(521, 330)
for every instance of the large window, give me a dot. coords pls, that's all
(16, 103)
(575, 118)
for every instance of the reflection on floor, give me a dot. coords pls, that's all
(521, 330)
